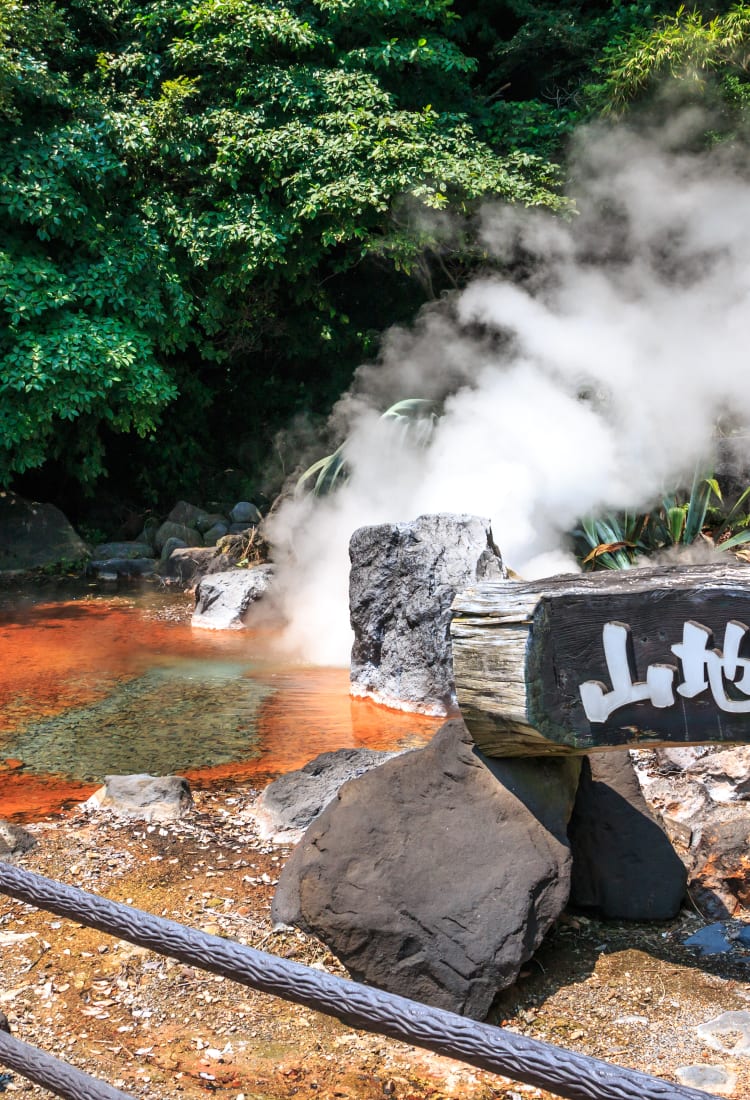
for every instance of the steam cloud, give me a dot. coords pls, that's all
(592, 380)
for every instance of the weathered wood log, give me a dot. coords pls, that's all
(643, 657)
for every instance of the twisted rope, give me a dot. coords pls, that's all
(569, 1075)
(52, 1074)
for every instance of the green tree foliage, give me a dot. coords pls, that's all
(89, 296)
(216, 199)
(689, 46)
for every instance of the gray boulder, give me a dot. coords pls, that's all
(187, 515)
(402, 582)
(210, 519)
(107, 550)
(245, 513)
(121, 567)
(144, 797)
(437, 874)
(223, 599)
(292, 802)
(169, 530)
(14, 840)
(173, 543)
(214, 533)
(32, 535)
(623, 862)
(702, 797)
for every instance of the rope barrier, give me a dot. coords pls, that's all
(530, 1061)
(50, 1073)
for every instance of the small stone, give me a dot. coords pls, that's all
(710, 940)
(245, 512)
(14, 840)
(707, 1077)
(729, 1023)
(146, 797)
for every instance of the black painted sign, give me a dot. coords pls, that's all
(629, 668)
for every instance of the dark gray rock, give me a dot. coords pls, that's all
(107, 550)
(623, 862)
(245, 513)
(207, 520)
(402, 582)
(14, 840)
(291, 803)
(240, 528)
(223, 599)
(185, 567)
(173, 543)
(437, 874)
(121, 567)
(33, 535)
(215, 532)
(168, 530)
(145, 797)
(187, 515)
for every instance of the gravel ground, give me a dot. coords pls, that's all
(630, 994)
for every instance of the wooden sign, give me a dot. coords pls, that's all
(643, 657)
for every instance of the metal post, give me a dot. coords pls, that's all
(569, 1075)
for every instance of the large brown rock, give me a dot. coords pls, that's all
(32, 535)
(624, 864)
(437, 874)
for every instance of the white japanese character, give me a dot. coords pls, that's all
(698, 661)
(598, 703)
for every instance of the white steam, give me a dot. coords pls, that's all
(591, 380)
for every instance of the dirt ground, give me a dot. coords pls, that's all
(630, 994)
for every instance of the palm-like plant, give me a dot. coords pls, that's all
(615, 540)
(415, 416)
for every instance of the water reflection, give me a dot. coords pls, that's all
(95, 686)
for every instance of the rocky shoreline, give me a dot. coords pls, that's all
(630, 993)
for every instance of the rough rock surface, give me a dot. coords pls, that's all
(145, 797)
(32, 535)
(121, 567)
(702, 797)
(437, 874)
(169, 530)
(188, 515)
(173, 543)
(223, 599)
(244, 512)
(623, 862)
(14, 840)
(106, 550)
(186, 566)
(292, 802)
(403, 579)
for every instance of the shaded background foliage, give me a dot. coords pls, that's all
(210, 210)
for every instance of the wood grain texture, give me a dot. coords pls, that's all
(521, 652)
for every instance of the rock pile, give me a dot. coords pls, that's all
(438, 874)
(189, 543)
